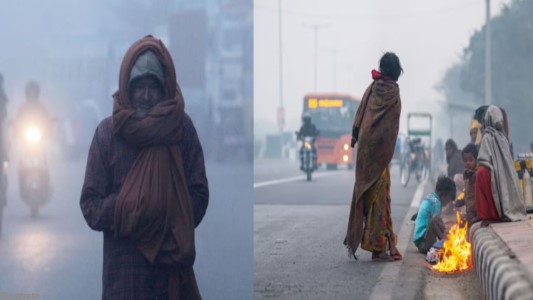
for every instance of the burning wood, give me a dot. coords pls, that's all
(456, 253)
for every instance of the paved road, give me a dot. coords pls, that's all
(299, 227)
(57, 256)
(298, 253)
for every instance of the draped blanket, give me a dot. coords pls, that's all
(378, 120)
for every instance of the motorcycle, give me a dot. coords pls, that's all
(33, 172)
(308, 155)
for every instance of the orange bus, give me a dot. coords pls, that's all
(333, 115)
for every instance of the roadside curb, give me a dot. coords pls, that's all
(501, 274)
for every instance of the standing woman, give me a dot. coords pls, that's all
(376, 129)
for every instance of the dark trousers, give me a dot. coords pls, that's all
(434, 231)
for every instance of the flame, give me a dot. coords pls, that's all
(456, 254)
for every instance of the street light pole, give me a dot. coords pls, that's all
(315, 27)
(280, 113)
(280, 109)
(488, 70)
(335, 51)
(316, 56)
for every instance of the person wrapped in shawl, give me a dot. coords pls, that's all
(454, 159)
(375, 128)
(497, 193)
(145, 186)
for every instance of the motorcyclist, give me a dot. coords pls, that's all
(33, 112)
(308, 129)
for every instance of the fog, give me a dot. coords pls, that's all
(74, 49)
(429, 37)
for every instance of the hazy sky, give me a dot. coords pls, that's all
(428, 36)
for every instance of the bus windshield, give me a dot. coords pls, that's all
(331, 115)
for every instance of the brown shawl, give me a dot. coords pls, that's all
(154, 206)
(378, 120)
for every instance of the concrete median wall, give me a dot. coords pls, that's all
(501, 274)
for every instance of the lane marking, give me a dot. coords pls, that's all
(415, 203)
(387, 279)
(295, 178)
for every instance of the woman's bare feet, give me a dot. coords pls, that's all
(381, 256)
(395, 254)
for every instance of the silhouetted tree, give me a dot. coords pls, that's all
(512, 62)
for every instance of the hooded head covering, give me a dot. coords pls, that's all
(147, 64)
(151, 129)
(170, 86)
(495, 155)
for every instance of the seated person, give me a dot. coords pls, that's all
(429, 226)
(497, 191)
(470, 160)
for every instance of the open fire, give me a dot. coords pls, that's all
(455, 255)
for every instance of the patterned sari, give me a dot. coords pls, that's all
(378, 222)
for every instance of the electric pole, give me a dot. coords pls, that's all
(315, 27)
(281, 111)
(335, 51)
(488, 69)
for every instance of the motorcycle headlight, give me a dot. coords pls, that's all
(32, 135)
(307, 145)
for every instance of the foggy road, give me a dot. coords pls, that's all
(57, 256)
(299, 227)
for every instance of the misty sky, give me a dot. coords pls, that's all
(428, 36)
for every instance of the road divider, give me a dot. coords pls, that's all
(295, 178)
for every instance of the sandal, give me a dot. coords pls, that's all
(381, 257)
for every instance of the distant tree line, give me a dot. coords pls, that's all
(511, 62)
